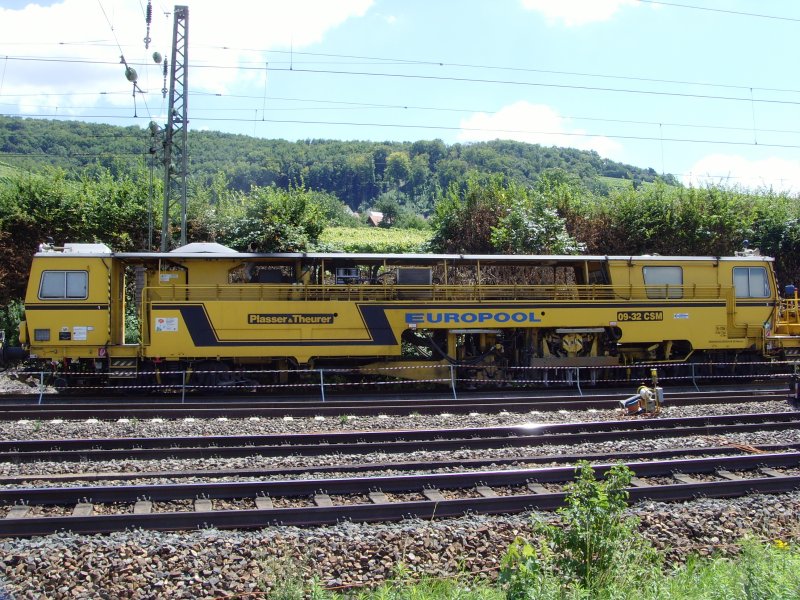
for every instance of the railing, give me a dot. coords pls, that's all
(362, 292)
(450, 377)
(789, 311)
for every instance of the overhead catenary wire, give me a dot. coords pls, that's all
(130, 72)
(722, 10)
(347, 104)
(292, 60)
(751, 94)
(363, 106)
(743, 98)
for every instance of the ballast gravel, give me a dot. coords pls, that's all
(277, 426)
(123, 428)
(428, 458)
(212, 563)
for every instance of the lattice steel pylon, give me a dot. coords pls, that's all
(176, 154)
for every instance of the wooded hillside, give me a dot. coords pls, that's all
(355, 172)
(83, 183)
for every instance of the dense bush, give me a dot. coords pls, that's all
(492, 215)
(593, 549)
(552, 211)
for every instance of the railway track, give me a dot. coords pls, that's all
(382, 498)
(16, 407)
(306, 471)
(389, 441)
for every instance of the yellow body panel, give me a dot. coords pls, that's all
(60, 328)
(578, 309)
(305, 330)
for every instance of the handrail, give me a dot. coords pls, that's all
(789, 311)
(561, 293)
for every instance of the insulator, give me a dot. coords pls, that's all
(148, 19)
(164, 89)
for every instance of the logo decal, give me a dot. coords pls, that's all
(425, 318)
(290, 319)
(167, 324)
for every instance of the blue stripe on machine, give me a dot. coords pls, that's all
(377, 324)
(203, 333)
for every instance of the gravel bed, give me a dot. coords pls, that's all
(233, 504)
(211, 563)
(666, 480)
(340, 500)
(113, 508)
(50, 511)
(174, 506)
(702, 477)
(266, 463)
(292, 502)
(515, 490)
(404, 497)
(92, 428)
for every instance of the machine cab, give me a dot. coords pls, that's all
(68, 303)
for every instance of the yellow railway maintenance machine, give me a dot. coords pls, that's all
(206, 307)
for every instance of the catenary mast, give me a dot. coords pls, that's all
(176, 155)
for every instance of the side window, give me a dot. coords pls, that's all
(64, 285)
(751, 282)
(660, 282)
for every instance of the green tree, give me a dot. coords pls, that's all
(389, 204)
(96, 206)
(275, 220)
(530, 226)
(464, 216)
(398, 169)
(491, 215)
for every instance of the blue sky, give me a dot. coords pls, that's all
(703, 89)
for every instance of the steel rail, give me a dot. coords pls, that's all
(384, 483)
(236, 408)
(336, 438)
(316, 444)
(113, 398)
(320, 515)
(398, 466)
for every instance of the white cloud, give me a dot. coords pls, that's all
(389, 19)
(730, 170)
(577, 12)
(535, 124)
(225, 34)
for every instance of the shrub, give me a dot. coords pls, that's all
(593, 548)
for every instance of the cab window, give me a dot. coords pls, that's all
(64, 285)
(660, 279)
(751, 282)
